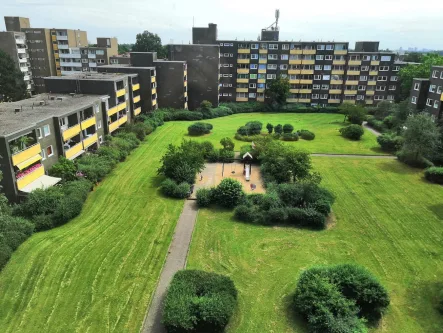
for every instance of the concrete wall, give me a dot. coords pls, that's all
(15, 23)
(8, 45)
(205, 35)
(170, 84)
(366, 46)
(203, 70)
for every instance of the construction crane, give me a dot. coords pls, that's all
(274, 26)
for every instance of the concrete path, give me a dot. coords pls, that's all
(356, 156)
(370, 129)
(208, 178)
(175, 261)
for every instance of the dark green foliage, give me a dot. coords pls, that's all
(355, 114)
(439, 305)
(306, 135)
(140, 129)
(95, 167)
(412, 160)
(64, 169)
(227, 143)
(204, 197)
(288, 128)
(277, 90)
(289, 137)
(434, 175)
(228, 193)
(245, 213)
(149, 42)
(378, 125)
(12, 85)
(170, 189)
(130, 137)
(389, 122)
(339, 298)
(353, 132)
(199, 129)
(112, 153)
(242, 130)
(67, 208)
(251, 128)
(199, 301)
(269, 127)
(14, 231)
(248, 138)
(5, 253)
(390, 142)
(206, 147)
(213, 156)
(226, 156)
(278, 129)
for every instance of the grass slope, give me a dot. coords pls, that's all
(325, 126)
(388, 219)
(96, 273)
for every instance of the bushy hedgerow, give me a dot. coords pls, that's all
(306, 135)
(64, 169)
(378, 125)
(413, 161)
(198, 301)
(390, 142)
(434, 175)
(353, 132)
(171, 189)
(228, 193)
(95, 167)
(289, 137)
(251, 128)
(204, 197)
(440, 302)
(339, 298)
(247, 138)
(226, 156)
(206, 147)
(199, 128)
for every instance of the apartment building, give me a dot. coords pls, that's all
(123, 59)
(427, 93)
(34, 132)
(14, 44)
(320, 73)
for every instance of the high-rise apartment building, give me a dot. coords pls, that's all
(427, 93)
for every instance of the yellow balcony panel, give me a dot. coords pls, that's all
(136, 99)
(262, 71)
(263, 51)
(243, 61)
(261, 90)
(372, 83)
(295, 62)
(154, 102)
(54, 37)
(304, 100)
(373, 73)
(185, 94)
(185, 73)
(153, 91)
(441, 97)
(339, 62)
(26, 154)
(243, 70)
(90, 141)
(241, 99)
(261, 81)
(135, 87)
(241, 90)
(55, 46)
(307, 71)
(29, 161)
(56, 56)
(137, 111)
(294, 71)
(260, 99)
(351, 101)
(295, 52)
(262, 61)
(309, 51)
(243, 51)
(338, 72)
(335, 91)
(308, 62)
(375, 63)
(294, 91)
(185, 106)
(353, 72)
(242, 80)
(350, 92)
(369, 101)
(120, 92)
(351, 82)
(152, 79)
(341, 52)
(112, 111)
(354, 62)
(185, 84)
(123, 120)
(305, 91)
(294, 81)
(333, 101)
(88, 122)
(336, 81)
(71, 132)
(291, 100)
(30, 177)
(113, 126)
(59, 73)
(121, 106)
(74, 151)
(305, 81)
(370, 92)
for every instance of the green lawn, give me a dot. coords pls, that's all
(325, 127)
(96, 273)
(387, 219)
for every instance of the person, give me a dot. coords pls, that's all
(192, 188)
(201, 176)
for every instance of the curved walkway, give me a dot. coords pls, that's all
(370, 129)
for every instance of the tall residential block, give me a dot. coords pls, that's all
(427, 93)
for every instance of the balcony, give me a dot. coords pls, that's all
(307, 71)
(69, 72)
(92, 64)
(339, 62)
(304, 81)
(135, 86)
(153, 91)
(354, 62)
(351, 82)
(154, 102)
(350, 92)
(137, 111)
(243, 51)
(26, 154)
(341, 52)
(71, 132)
(295, 52)
(19, 41)
(63, 46)
(241, 99)
(353, 73)
(243, 61)
(441, 97)
(152, 79)
(74, 151)
(349, 101)
(260, 81)
(26, 78)
(369, 101)
(375, 63)
(304, 100)
(24, 68)
(89, 141)
(294, 71)
(245, 90)
(113, 126)
(305, 91)
(309, 51)
(335, 91)
(294, 62)
(70, 64)
(260, 90)
(373, 73)
(185, 84)
(186, 94)
(262, 71)
(262, 61)
(294, 91)
(242, 80)
(370, 92)
(91, 56)
(30, 177)
(372, 83)
(88, 123)
(295, 81)
(338, 72)
(336, 81)
(263, 51)
(308, 62)
(242, 70)
(291, 100)
(70, 55)
(136, 99)
(60, 37)
(120, 92)
(21, 50)
(333, 101)
(260, 99)
(23, 60)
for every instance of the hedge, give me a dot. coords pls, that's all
(199, 129)
(353, 132)
(171, 189)
(434, 175)
(390, 142)
(289, 137)
(306, 135)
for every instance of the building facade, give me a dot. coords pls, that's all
(427, 93)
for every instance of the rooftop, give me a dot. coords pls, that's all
(94, 77)
(31, 112)
(280, 41)
(126, 66)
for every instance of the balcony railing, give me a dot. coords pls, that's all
(136, 99)
(71, 132)
(70, 64)
(120, 92)
(70, 55)
(21, 50)
(74, 151)
(63, 46)
(59, 37)
(88, 122)
(23, 60)
(89, 140)
(26, 154)
(91, 56)
(152, 79)
(137, 111)
(135, 87)
(30, 177)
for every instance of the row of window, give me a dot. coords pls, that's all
(431, 102)
(312, 96)
(266, 46)
(323, 77)
(435, 74)
(313, 87)
(434, 89)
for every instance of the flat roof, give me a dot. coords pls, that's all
(93, 77)
(281, 41)
(420, 79)
(376, 52)
(32, 112)
(125, 66)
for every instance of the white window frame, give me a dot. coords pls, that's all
(317, 77)
(284, 56)
(434, 74)
(326, 77)
(329, 47)
(252, 85)
(315, 96)
(327, 67)
(52, 151)
(323, 96)
(361, 88)
(432, 88)
(318, 67)
(394, 78)
(43, 152)
(283, 67)
(392, 87)
(439, 90)
(254, 56)
(321, 47)
(271, 67)
(429, 102)
(253, 66)
(319, 57)
(414, 100)
(49, 131)
(363, 78)
(380, 78)
(273, 47)
(285, 47)
(383, 68)
(99, 124)
(436, 104)
(272, 56)
(417, 86)
(385, 58)
(254, 48)
(316, 87)
(380, 88)
(38, 132)
(271, 76)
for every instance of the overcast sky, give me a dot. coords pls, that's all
(395, 23)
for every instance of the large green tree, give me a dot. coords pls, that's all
(409, 72)
(149, 42)
(278, 90)
(123, 48)
(12, 85)
(413, 57)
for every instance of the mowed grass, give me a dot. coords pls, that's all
(325, 126)
(96, 273)
(388, 219)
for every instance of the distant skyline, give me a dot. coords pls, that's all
(395, 23)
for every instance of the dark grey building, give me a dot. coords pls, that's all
(205, 35)
(427, 93)
(419, 93)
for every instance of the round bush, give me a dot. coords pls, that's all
(199, 128)
(213, 156)
(276, 215)
(288, 128)
(245, 213)
(207, 147)
(204, 197)
(390, 142)
(170, 189)
(228, 193)
(199, 301)
(289, 137)
(226, 156)
(353, 132)
(434, 175)
(307, 135)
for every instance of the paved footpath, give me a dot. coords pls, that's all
(370, 129)
(175, 261)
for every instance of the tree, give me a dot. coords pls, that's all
(4, 207)
(401, 112)
(12, 85)
(413, 57)
(227, 143)
(353, 113)
(421, 136)
(409, 72)
(278, 129)
(64, 169)
(278, 90)
(124, 48)
(149, 42)
(269, 127)
(288, 128)
(228, 193)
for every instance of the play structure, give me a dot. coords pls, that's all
(247, 159)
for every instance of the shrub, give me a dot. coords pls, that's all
(64, 169)
(269, 127)
(207, 147)
(245, 213)
(198, 301)
(278, 129)
(226, 156)
(254, 127)
(5, 254)
(14, 230)
(376, 124)
(242, 130)
(289, 137)
(129, 137)
(228, 193)
(204, 197)
(67, 208)
(199, 128)
(306, 135)
(412, 160)
(170, 189)
(276, 215)
(111, 153)
(288, 128)
(434, 175)
(389, 142)
(95, 167)
(140, 129)
(389, 122)
(213, 156)
(227, 143)
(353, 132)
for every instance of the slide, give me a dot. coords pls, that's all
(248, 172)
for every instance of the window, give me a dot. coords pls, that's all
(285, 47)
(273, 46)
(264, 46)
(260, 86)
(439, 90)
(325, 86)
(271, 76)
(272, 66)
(380, 88)
(252, 95)
(254, 46)
(329, 47)
(100, 139)
(231, 54)
(395, 68)
(319, 57)
(327, 67)
(284, 57)
(320, 47)
(316, 86)
(435, 104)
(362, 88)
(43, 155)
(326, 77)
(284, 76)
(366, 58)
(392, 87)
(273, 56)
(315, 96)
(225, 85)
(363, 78)
(100, 52)
(226, 54)
(360, 97)
(253, 76)
(417, 86)
(252, 85)
(38, 133)
(324, 96)
(434, 74)
(374, 57)
(318, 67)
(226, 44)
(394, 78)
(99, 124)
(46, 130)
(284, 67)
(382, 78)
(414, 100)
(383, 68)
(262, 66)
(429, 102)
(317, 77)
(225, 75)
(253, 66)
(225, 65)
(254, 56)
(364, 68)
(49, 151)
(385, 58)
(378, 97)
(432, 88)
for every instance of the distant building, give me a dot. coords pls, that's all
(427, 93)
